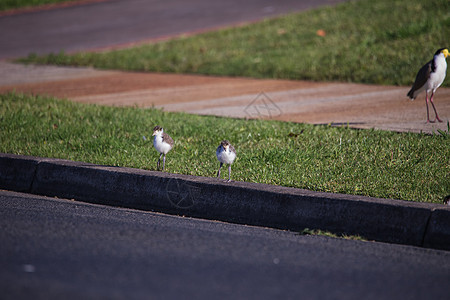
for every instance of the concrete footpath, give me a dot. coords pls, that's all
(358, 105)
(385, 220)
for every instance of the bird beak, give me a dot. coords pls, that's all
(445, 51)
(154, 133)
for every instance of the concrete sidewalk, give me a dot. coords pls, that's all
(385, 220)
(358, 105)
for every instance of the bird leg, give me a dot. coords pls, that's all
(431, 100)
(158, 164)
(426, 101)
(164, 162)
(229, 173)
(218, 172)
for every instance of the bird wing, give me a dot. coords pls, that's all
(167, 139)
(422, 76)
(232, 149)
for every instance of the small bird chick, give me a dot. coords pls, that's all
(429, 78)
(447, 200)
(163, 143)
(226, 154)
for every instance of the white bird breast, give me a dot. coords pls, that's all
(437, 77)
(226, 157)
(160, 146)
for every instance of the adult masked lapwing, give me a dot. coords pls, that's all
(429, 78)
(163, 143)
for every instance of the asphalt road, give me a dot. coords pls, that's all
(61, 249)
(101, 24)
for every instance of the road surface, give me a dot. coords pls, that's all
(102, 24)
(61, 249)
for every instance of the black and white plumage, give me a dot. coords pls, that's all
(429, 78)
(163, 143)
(226, 154)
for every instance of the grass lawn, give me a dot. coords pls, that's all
(379, 42)
(321, 158)
(10, 4)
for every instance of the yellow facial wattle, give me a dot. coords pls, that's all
(445, 52)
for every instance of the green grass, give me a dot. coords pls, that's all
(380, 42)
(308, 231)
(321, 158)
(10, 4)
